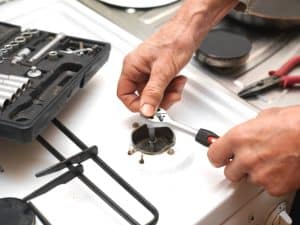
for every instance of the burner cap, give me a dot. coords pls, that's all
(163, 140)
(15, 212)
(138, 3)
(224, 49)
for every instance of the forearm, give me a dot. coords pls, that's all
(196, 17)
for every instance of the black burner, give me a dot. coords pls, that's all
(15, 212)
(163, 139)
(224, 49)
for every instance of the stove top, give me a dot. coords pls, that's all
(183, 187)
(269, 48)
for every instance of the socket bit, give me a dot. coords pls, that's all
(14, 44)
(8, 47)
(20, 79)
(3, 102)
(20, 40)
(27, 35)
(8, 95)
(12, 83)
(34, 32)
(10, 88)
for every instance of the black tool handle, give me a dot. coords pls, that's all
(206, 137)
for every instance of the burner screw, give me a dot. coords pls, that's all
(135, 125)
(142, 161)
(131, 151)
(171, 151)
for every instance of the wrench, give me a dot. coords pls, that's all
(202, 136)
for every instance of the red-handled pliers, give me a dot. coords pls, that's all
(278, 78)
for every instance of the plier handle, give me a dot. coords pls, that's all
(277, 78)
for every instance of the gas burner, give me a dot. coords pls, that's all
(138, 3)
(15, 211)
(224, 49)
(152, 141)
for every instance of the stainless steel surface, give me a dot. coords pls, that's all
(46, 48)
(251, 20)
(140, 22)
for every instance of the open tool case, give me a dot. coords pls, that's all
(39, 72)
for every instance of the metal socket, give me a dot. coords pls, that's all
(8, 95)
(15, 45)
(27, 35)
(53, 55)
(3, 102)
(21, 40)
(12, 83)
(8, 47)
(13, 89)
(34, 32)
(3, 52)
(20, 79)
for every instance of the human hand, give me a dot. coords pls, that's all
(148, 79)
(266, 150)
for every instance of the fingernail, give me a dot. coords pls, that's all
(148, 110)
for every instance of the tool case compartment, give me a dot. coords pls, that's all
(39, 73)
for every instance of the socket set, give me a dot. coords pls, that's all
(39, 73)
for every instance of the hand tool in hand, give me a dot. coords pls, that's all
(277, 78)
(202, 136)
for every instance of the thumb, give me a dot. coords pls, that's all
(154, 90)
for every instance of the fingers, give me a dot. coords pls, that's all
(133, 76)
(127, 94)
(234, 171)
(221, 152)
(173, 92)
(161, 75)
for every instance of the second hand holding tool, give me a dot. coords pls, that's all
(202, 136)
(277, 78)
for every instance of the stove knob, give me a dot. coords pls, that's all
(279, 216)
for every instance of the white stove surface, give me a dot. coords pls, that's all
(184, 187)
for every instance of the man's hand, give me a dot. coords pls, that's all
(266, 150)
(148, 78)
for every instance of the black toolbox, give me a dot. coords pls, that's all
(39, 73)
